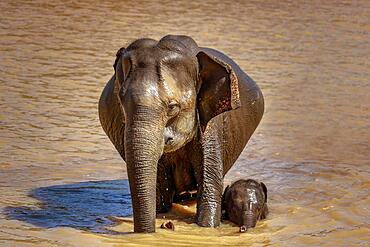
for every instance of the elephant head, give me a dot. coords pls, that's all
(244, 202)
(167, 91)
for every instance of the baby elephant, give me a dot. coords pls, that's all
(244, 202)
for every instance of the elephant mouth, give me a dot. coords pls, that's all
(171, 147)
(175, 143)
(178, 141)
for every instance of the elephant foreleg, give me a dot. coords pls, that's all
(211, 181)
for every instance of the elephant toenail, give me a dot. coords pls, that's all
(242, 229)
(168, 225)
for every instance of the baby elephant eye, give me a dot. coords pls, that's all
(173, 109)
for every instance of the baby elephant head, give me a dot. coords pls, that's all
(245, 202)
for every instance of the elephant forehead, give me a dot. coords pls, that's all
(144, 57)
(252, 195)
(151, 90)
(174, 87)
(141, 88)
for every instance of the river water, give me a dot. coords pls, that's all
(63, 184)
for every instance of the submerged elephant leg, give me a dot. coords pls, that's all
(165, 188)
(211, 181)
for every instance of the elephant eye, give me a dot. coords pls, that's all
(173, 109)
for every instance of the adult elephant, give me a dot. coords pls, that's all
(179, 115)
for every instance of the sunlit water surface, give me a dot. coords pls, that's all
(63, 184)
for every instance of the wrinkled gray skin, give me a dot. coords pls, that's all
(179, 115)
(245, 202)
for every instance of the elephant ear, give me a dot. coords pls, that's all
(224, 214)
(122, 66)
(264, 188)
(219, 90)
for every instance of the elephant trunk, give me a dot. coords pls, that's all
(249, 220)
(143, 148)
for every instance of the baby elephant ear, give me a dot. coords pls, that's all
(219, 89)
(225, 193)
(224, 213)
(264, 188)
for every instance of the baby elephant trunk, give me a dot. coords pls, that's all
(249, 221)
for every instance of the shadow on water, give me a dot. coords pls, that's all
(89, 206)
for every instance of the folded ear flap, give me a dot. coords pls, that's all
(264, 188)
(118, 56)
(122, 66)
(219, 90)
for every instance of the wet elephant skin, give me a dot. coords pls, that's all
(179, 115)
(244, 203)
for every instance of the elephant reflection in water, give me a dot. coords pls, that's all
(179, 115)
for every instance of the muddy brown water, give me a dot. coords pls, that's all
(63, 184)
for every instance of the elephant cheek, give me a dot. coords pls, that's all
(178, 136)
